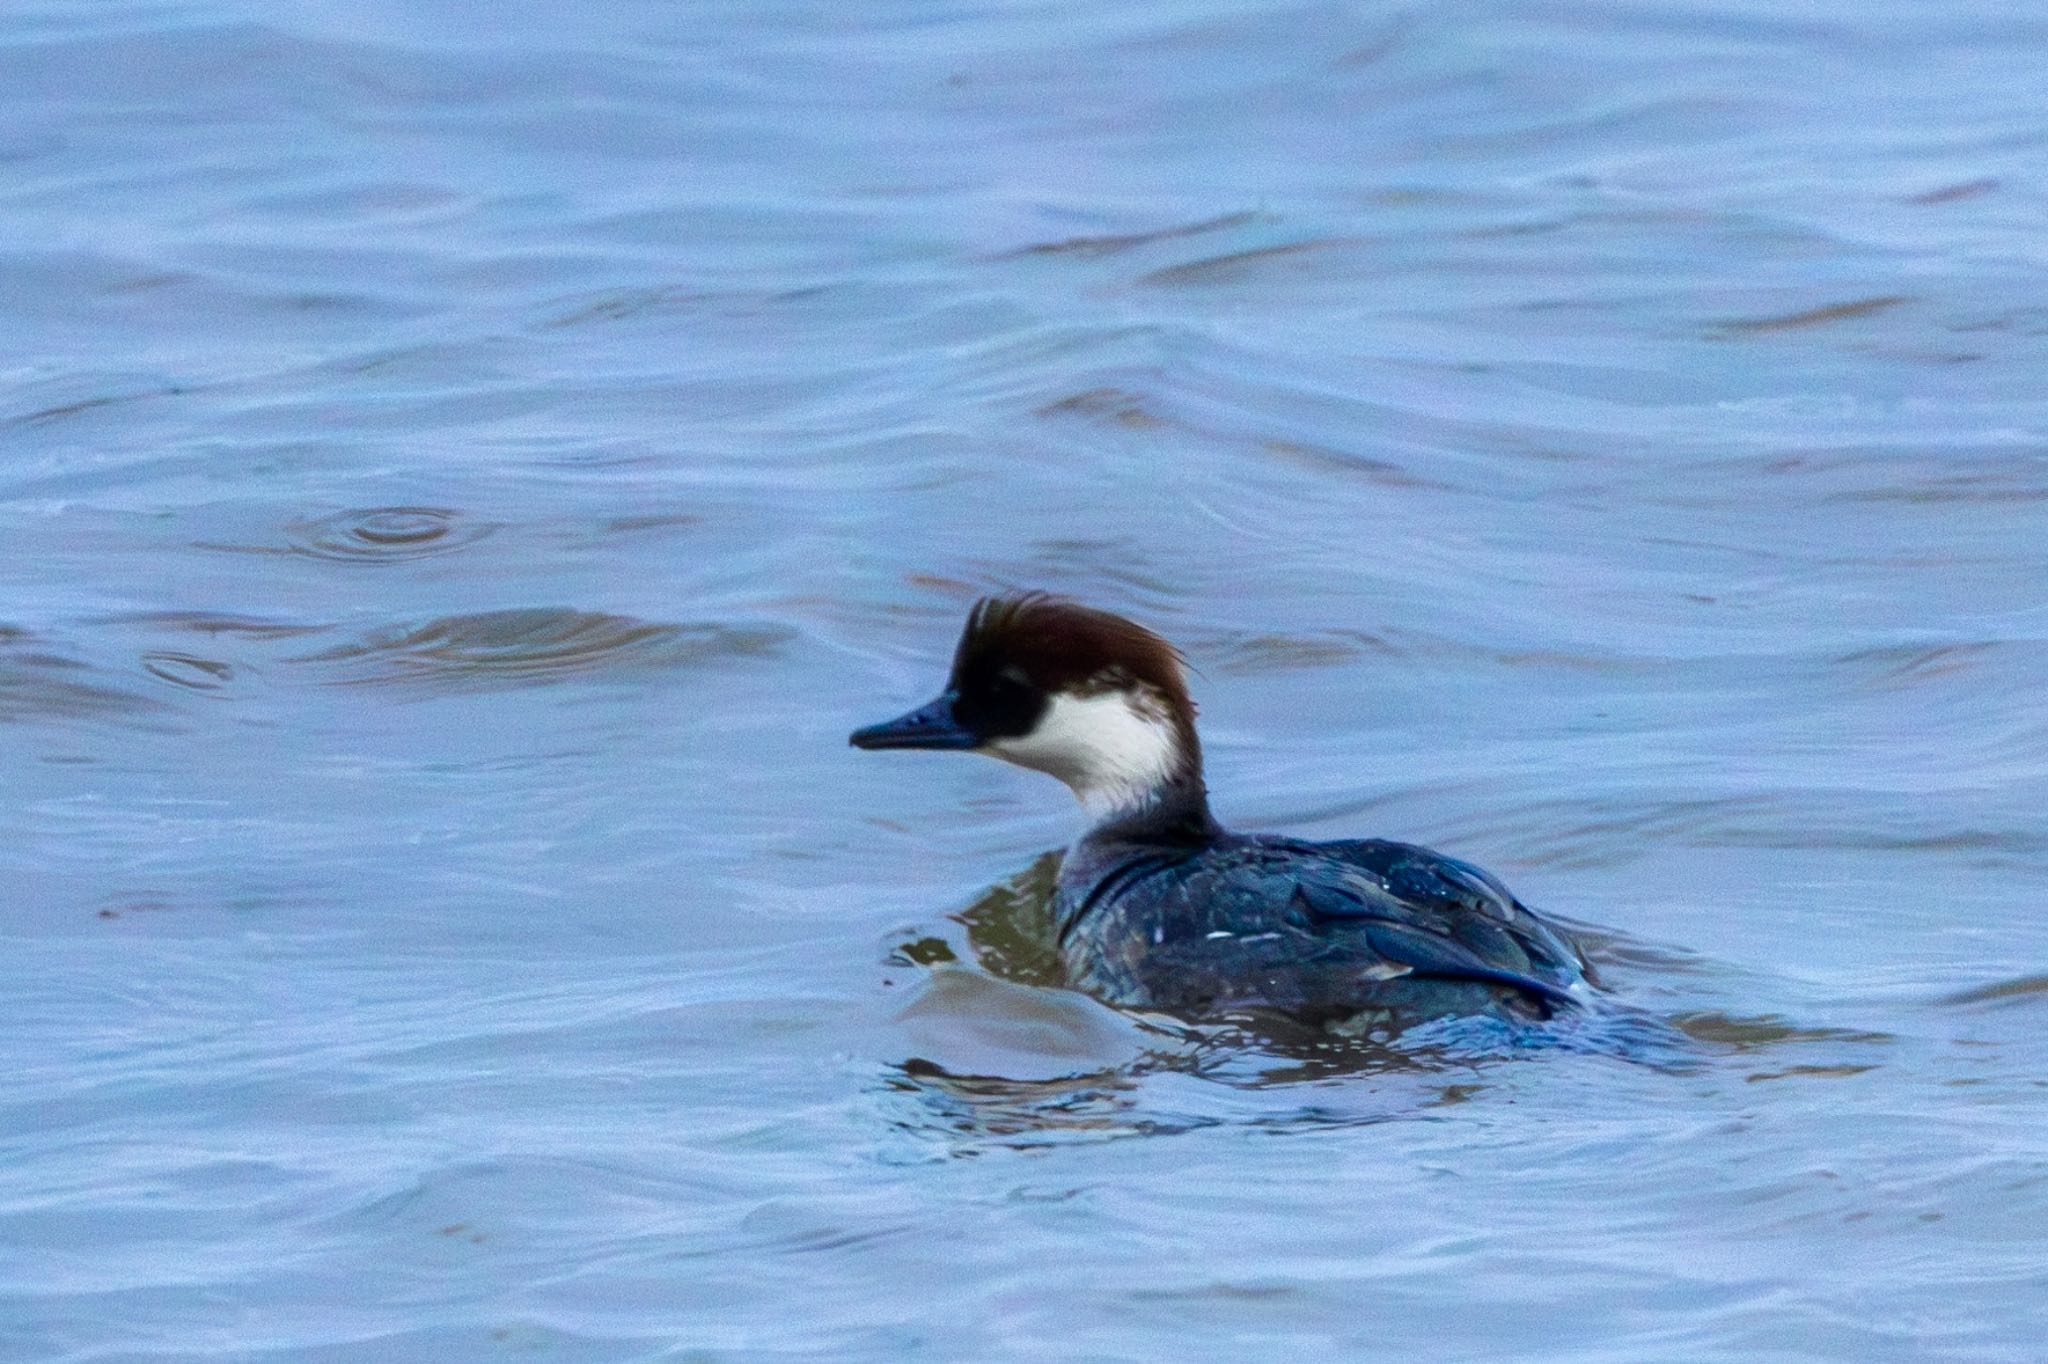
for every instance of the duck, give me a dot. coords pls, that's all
(1158, 907)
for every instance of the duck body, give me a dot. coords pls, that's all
(1159, 907)
(1224, 923)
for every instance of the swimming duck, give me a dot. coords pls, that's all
(1159, 907)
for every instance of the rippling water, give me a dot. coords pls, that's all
(467, 467)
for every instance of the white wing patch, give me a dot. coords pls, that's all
(1114, 748)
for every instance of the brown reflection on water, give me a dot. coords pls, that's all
(1752, 1033)
(1114, 243)
(216, 624)
(1233, 266)
(38, 682)
(1815, 317)
(189, 671)
(1010, 926)
(2023, 989)
(530, 646)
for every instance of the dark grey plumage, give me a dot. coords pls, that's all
(1222, 923)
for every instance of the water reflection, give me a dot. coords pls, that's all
(1002, 1052)
(189, 671)
(2022, 990)
(1001, 1065)
(1110, 244)
(1010, 928)
(39, 682)
(1007, 1065)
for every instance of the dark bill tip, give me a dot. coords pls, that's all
(929, 726)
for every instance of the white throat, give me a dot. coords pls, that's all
(1115, 748)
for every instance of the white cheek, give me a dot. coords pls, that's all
(1112, 752)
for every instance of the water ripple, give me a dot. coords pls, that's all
(386, 535)
(1113, 243)
(1815, 317)
(39, 684)
(2022, 989)
(1237, 266)
(531, 646)
(188, 671)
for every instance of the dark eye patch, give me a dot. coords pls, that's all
(998, 705)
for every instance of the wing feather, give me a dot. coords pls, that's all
(1436, 916)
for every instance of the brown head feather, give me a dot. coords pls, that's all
(1055, 645)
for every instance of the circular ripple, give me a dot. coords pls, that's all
(386, 535)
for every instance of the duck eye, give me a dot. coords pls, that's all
(1002, 704)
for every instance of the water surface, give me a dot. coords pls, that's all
(466, 468)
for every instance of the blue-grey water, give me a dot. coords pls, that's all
(464, 467)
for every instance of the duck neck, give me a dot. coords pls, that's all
(1173, 810)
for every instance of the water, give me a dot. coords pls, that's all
(468, 466)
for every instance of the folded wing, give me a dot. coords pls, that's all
(1435, 916)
